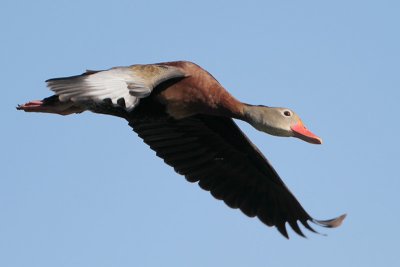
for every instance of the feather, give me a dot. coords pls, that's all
(123, 86)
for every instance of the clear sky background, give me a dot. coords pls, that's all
(84, 190)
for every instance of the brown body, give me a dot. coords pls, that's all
(185, 115)
(198, 93)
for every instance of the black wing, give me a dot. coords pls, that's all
(214, 152)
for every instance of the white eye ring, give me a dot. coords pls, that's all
(287, 113)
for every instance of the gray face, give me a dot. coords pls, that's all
(275, 121)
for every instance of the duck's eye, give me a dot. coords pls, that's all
(287, 113)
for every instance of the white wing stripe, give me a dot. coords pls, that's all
(130, 83)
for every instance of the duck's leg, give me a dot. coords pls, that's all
(51, 105)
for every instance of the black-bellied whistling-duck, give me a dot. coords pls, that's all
(185, 115)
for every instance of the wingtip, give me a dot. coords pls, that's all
(296, 228)
(282, 229)
(332, 223)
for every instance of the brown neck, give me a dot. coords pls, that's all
(230, 106)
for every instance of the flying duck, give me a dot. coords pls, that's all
(185, 115)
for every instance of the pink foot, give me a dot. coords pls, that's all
(35, 105)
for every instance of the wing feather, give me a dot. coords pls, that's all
(227, 165)
(128, 83)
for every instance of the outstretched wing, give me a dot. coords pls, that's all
(214, 152)
(120, 86)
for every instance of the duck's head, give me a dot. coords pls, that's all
(279, 122)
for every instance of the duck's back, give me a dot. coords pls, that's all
(197, 93)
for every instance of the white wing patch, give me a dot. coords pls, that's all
(123, 86)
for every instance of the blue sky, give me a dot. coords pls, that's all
(84, 190)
